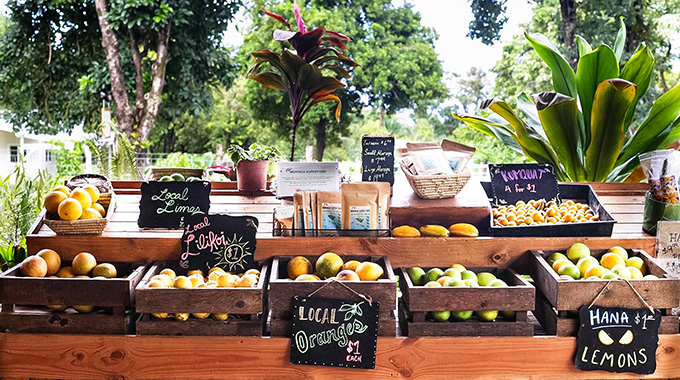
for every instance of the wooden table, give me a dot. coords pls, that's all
(50, 356)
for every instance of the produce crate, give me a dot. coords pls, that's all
(22, 300)
(416, 301)
(578, 193)
(564, 295)
(80, 227)
(155, 174)
(282, 292)
(246, 302)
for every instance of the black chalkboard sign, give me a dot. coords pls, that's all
(514, 182)
(377, 159)
(219, 240)
(168, 204)
(616, 339)
(333, 332)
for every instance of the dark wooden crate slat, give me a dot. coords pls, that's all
(198, 327)
(38, 321)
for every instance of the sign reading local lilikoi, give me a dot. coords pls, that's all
(333, 332)
(168, 204)
(616, 339)
(219, 240)
(513, 182)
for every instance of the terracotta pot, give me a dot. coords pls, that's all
(252, 175)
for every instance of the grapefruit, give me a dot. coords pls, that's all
(329, 264)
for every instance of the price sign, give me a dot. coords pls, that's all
(333, 332)
(168, 204)
(668, 245)
(219, 240)
(616, 339)
(377, 159)
(514, 182)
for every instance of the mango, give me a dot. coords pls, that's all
(434, 230)
(405, 231)
(463, 229)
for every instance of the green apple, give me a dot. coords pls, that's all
(433, 274)
(453, 273)
(593, 278)
(468, 275)
(460, 267)
(497, 282)
(556, 256)
(487, 315)
(417, 275)
(569, 270)
(484, 278)
(566, 278)
(441, 316)
(461, 315)
(577, 251)
(454, 282)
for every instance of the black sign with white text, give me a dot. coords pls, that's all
(514, 182)
(377, 159)
(168, 204)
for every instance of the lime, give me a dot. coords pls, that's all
(177, 177)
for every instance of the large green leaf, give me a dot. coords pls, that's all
(309, 76)
(291, 64)
(620, 42)
(593, 68)
(490, 128)
(527, 107)
(612, 99)
(663, 113)
(562, 74)
(583, 46)
(559, 116)
(638, 70)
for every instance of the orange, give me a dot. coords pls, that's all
(82, 196)
(52, 259)
(329, 264)
(595, 270)
(93, 191)
(299, 265)
(63, 189)
(226, 281)
(609, 260)
(70, 209)
(52, 201)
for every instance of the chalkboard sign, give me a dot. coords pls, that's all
(668, 246)
(219, 240)
(616, 339)
(377, 159)
(514, 182)
(168, 204)
(333, 332)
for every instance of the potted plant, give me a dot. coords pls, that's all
(252, 165)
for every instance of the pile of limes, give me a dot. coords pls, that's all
(578, 264)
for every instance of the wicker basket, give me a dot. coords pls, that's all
(437, 186)
(83, 227)
(102, 183)
(155, 174)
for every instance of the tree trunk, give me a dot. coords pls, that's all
(638, 28)
(154, 96)
(320, 139)
(568, 10)
(382, 115)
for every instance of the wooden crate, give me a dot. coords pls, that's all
(246, 302)
(282, 291)
(22, 300)
(418, 300)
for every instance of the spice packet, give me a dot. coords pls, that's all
(457, 154)
(329, 210)
(360, 205)
(283, 217)
(429, 159)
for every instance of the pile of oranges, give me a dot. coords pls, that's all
(79, 203)
(535, 212)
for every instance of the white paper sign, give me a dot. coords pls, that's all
(295, 177)
(668, 246)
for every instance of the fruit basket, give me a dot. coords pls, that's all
(80, 227)
(561, 297)
(112, 297)
(102, 183)
(282, 292)
(244, 306)
(437, 186)
(515, 300)
(154, 174)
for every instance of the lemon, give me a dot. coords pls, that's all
(160, 315)
(163, 278)
(183, 282)
(105, 270)
(351, 265)
(369, 271)
(66, 272)
(226, 281)
(82, 196)
(220, 316)
(100, 209)
(299, 265)
(52, 201)
(247, 281)
(196, 279)
(70, 209)
(181, 316)
(93, 191)
(63, 189)
(170, 273)
(90, 213)
(329, 264)
(194, 271)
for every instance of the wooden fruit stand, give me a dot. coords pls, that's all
(111, 356)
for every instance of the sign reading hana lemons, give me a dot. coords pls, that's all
(616, 339)
(333, 332)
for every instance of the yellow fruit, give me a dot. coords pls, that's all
(434, 230)
(299, 265)
(441, 280)
(63, 189)
(70, 209)
(194, 271)
(247, 281)
(619, 251)
(105, 270)
(306, 277)
(201, 315)
(369, 271)
(405, 231)
(34, 266)
(328, 265)
(52, 201)
(182, 282)
(82, 276)
(52, 259)
(215, 275)
(226, 281)
(66, 272)
(82, 196)
(159, 315)
(253, 271)
(347, 275)
(597, 271)
(351, 265)
(90, 213)
(170, 273)
(100, 209)
(83, 263)
(181, 316)
(196, 279)
(58, 307)
(156, 284)
(610, 260)
(220, 316)
(163, 278)
(83, 308)
(577, 251)
(464, 229)
(637, 262)
(93, 191)
(215, 269)
(558, 264)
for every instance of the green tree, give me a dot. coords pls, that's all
(144, 52)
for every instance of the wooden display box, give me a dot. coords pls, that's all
(563, 295)
(246, 302)
(20, 295)
(416, 301)
(282, 292)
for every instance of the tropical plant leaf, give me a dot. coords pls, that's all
(338, 35)
(277, 17)
(562, 74)
(504, 134)
(664, 112)
(324, 86)
(528, 109)
(309, 76)
(335, 42)
(328, 98)
(304, 42)
(559, 116)
(284, 35)
(638, 70)
(339, 70)
(583, 46)
(271, 57)
(291, 63)
(612, 98)
(593, 68)
(620, 42)
(271, 80)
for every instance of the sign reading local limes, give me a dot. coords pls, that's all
(219, 240)
(514, 182)
(616, 339)
(334, 332)
(168, 204)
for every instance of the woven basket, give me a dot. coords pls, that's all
(155, 174)
(83, 227)
(102, 183)
(437, 186)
